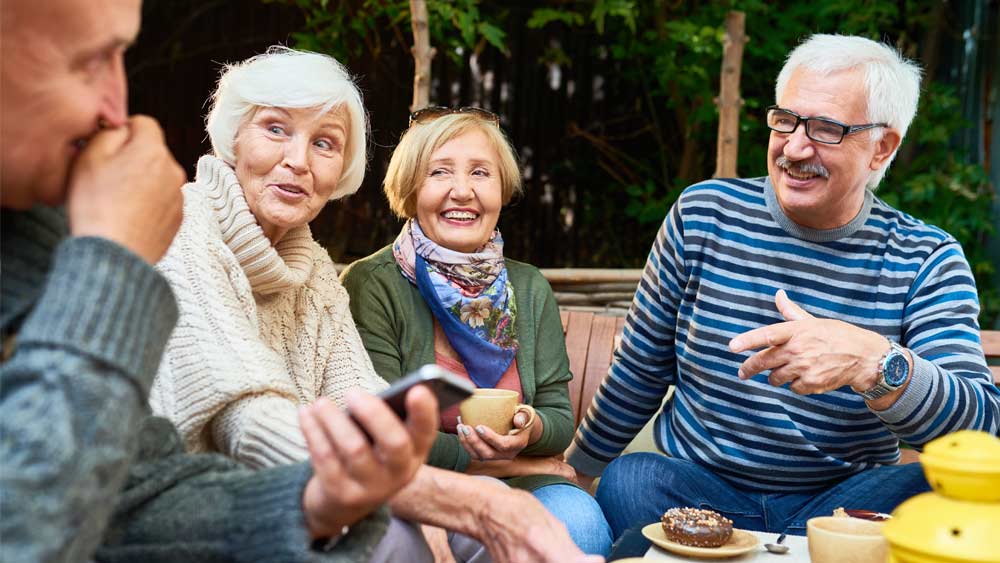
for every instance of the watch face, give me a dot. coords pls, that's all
(896, 370)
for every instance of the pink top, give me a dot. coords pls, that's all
(509, 380)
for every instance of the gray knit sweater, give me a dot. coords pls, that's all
(84, 471)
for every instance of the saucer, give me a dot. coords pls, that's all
(739, 543)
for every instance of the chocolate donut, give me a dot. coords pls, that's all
(697, 527)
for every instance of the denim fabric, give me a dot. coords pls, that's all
(638, 488)
(581, 515)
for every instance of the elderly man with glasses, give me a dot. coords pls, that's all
(806, 327)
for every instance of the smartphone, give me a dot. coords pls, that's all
(446, 386)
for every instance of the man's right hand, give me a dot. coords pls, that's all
(353, 475)
(125, 186)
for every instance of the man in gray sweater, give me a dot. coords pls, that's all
(85, 473)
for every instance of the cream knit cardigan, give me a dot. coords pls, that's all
(263, 329)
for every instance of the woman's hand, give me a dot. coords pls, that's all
(484, 444)
(586, 482)
(523, 465)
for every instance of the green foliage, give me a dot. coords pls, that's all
(665, 58)
(941, 187)
(463, 16)
(672, 53)
(349, 29)
(624, 9)
(544, 16)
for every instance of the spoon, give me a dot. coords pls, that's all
(777, 547)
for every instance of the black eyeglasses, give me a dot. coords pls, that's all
(819, 129)
(431, 113)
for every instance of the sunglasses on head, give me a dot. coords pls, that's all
(433, 112)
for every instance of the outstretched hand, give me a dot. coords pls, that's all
(353, 475)
(812, 355)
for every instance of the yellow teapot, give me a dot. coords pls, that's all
(960, 521)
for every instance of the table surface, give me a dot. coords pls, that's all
(799, 552)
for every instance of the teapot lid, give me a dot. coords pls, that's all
(943, 529)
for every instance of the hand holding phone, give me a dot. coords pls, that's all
(446, 386)
(351, 477)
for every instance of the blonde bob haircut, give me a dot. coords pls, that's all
(409, 162)
(287, 78)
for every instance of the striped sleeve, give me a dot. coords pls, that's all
(645, 364)
(951, 388)
(724, 251)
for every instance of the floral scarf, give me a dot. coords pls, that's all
(470, 297)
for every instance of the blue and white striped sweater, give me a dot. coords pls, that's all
(723, 251)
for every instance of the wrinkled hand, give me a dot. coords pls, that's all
(813, 355)
(437, 541)
(484, 444)
(352, 476)
(125, 186)
(520, 530)
(554, 465)
(523, 465)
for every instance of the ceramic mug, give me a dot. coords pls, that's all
(834, 539)
(495, 409)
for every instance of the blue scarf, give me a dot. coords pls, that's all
(469, 295)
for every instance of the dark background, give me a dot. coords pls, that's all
(607, 128)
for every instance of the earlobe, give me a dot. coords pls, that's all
(884, 148)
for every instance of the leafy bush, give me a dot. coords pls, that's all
(664, 59)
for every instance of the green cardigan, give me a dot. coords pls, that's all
(398, 331)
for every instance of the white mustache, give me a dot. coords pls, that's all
(803, 168)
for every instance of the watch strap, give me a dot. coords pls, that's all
(882, 388)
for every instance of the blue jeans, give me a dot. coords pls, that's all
(581, 515)
(637, 489)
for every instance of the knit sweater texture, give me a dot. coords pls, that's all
(85, 473)
(397, 328)
(263, 329)
(722, 253)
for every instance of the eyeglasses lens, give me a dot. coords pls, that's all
(824, 131)
(781, 121)
(817, 129)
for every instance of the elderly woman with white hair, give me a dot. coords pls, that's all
(265, 326)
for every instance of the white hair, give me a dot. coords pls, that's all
(892, 82)
(287, 78)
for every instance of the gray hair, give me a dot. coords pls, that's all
(287, 78)
(892, 82)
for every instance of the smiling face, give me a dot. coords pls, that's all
(288, 162)
(459, 202)
(809, 198)
(61, 73)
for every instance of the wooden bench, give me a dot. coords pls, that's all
(591, 339)
(991, 347)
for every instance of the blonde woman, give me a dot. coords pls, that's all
(444, 293)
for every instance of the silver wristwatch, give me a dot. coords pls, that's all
(893, 370)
